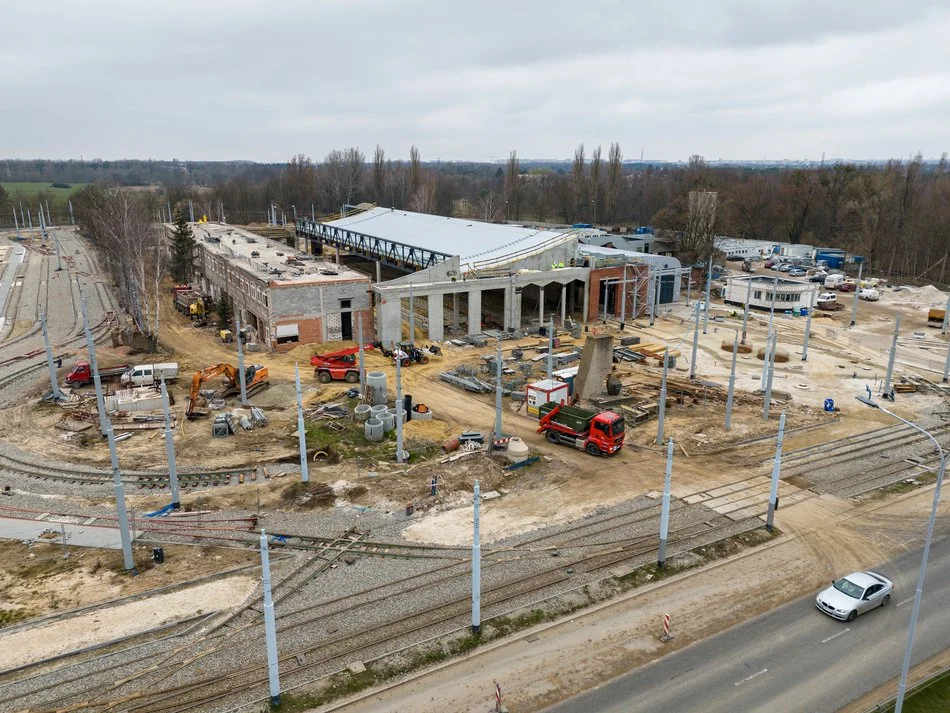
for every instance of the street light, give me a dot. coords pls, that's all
(902, 686)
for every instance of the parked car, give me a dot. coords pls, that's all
(784, 267)
(796, 272)
(768, 263)
(846, 287)
(827, 297)
(869, 294)
(855, 594)
(819, 277)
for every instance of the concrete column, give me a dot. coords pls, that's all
(455, 312)
(509, 307)
(563, 306)
(586, 299)
(390, 321)
(379, 271)
(436, 319)
(475, 311)
(516, 311)
(540, 305)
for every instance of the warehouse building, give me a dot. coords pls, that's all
(285, 296)
(469, 276)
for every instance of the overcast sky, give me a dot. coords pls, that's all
(238, 79)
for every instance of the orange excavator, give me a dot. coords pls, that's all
(255, 378)
(338, 366)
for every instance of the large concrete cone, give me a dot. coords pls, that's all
(596, 362)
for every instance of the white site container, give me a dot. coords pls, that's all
(545, 391)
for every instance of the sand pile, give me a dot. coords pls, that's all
(918, 297)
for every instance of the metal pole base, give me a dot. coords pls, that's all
(275, 701)
(666, 637)
(661, 564)
(176, 506)
(476, 628)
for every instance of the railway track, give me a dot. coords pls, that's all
(333, 652)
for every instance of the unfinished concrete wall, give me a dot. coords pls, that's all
(596, 363)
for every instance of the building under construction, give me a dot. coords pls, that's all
(285, 296)
(475, 276)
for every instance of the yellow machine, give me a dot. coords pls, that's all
(256, 378)
(226, 335)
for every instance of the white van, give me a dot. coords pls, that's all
(833, 282)
(150, 374)
(869, 294)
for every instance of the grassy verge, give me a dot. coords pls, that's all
(391, 667)
(930, 697)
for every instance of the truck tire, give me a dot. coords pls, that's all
(552, 437)
(424, 359)
(324, 377)
(593, 449)
(352, 377)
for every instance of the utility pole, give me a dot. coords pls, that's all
(123, 516)
(665, 514)
(301, 430)
(54, 382)
(498, 390)
(191, 210)
(708, 293)
(732, 383)
(857, 289)
(400, 455)
(811, 308)
(661, 407)
(776, 472)
(170, 450)
(767, 405)
(97, 382)
(240, 349)
(71, 218)
(551, 350)
(49, 216)
(745, 313)
(16, 224)
(893, 355)
(412, 317)
(270, 625)
(943, 328)
(692, 363)
(359, 336)
(476, 564)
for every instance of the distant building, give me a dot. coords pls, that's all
(760, 290)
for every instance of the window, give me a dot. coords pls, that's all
(757, 294)
(345, 304)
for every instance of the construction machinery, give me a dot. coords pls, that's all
(935, 318)
(597, 432)
(337, 366)
(255, 376)
(193, 304)
(407, 352)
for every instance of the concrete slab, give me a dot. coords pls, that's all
(76, 535)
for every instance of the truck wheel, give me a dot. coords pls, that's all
(352, 377)
(324, 377)
(406, 362)
(424, 359)
(552, 437)
(593, 449)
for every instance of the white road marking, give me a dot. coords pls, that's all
(18, 283)
(909, 599)
(749, 678)
(835, 636)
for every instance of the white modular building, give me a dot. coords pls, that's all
(762, 291)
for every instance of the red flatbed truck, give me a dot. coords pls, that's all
(597, 432)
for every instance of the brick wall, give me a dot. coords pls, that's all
(595, 310)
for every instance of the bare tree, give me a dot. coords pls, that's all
(595, 184)
(513, 187)
(415, 170)
(578, 178)
(424, 199)
(379, 175)
(697, 242)
(614, 180)
(133, 250)
(344, 171)
(488, 208)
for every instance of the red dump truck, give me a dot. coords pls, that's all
(82, 373)
(597, 432)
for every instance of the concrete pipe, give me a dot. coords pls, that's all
(376, 382)
(388, 420)
(373, 429)
(362, 412)
(452, 444)
(378, 410)
(517, 450)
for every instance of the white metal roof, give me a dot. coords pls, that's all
(471, 240)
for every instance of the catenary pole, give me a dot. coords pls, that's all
(97, 382)
(301, 429)
(551, 350)
(730, 397)
(270, 625)
(170, 450)
(476, 563)
(498, 394)
(54, 382)
(857, 289)
(123, 516)
(776, 473)
(767, 401)
(400, 455)
(240, 349)
(359, 336)
(745, 313)
(943, 327)
(811, 308)
(665, 514)
(692, 363)
(892, 356)
(661, 407)
(708, 293)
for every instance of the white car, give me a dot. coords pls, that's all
(827, 297)
(855, 594)
(869, 294)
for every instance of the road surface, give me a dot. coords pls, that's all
(792, 659)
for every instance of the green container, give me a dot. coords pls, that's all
(575, 418)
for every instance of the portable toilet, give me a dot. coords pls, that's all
(545, 391)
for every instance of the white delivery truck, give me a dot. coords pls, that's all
(833, 282)
(150, 374)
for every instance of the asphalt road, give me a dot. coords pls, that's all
(8, 277)
(792, 659)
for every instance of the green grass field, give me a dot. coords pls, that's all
(932, 697)
(27, 190)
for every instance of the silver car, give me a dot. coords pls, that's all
(855, 594)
